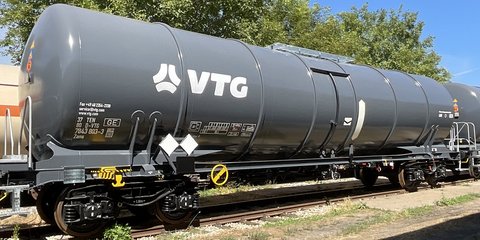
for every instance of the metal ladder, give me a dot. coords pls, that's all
(9, 157)
(8, 130)
(467, 142)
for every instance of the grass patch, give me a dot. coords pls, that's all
(417, 211)
(228, 238)
(234, 187)
(345, 208)
(457, 200)
(387, 217)
(258, 235)
(226, 189)
(174, 236)
(377, 219)
(16, 232)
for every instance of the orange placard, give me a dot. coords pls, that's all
(14, 110)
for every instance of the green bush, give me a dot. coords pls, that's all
(16, 232)
(118, 232)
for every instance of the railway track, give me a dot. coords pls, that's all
(247, 210)
(258, 214)
(277, 210)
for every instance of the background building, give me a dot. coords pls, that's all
(9, 100)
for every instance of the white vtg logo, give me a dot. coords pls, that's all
(238, 88)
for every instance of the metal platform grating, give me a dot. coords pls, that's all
(310, 53)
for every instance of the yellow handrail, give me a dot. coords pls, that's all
(5, 194)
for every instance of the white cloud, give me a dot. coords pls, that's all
(465, 72)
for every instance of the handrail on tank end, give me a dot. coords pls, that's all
(28, 103)
(8, 129)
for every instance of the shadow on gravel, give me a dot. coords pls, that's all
(462, 228)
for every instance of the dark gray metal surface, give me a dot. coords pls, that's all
(468, 103)
(440, 107)
(288, 103)
(93, 74)
(411, 108)
(380, 108)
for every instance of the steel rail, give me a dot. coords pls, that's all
(280, 210)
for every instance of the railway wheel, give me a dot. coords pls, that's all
(368, 176)
(179, 217)
(432, 181)
(80, 230)
(45, 203)
(405, 183)
(473, 168)
(393, 178)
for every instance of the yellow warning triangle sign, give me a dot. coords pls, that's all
(455, 100)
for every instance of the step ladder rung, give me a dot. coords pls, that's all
(14, 159)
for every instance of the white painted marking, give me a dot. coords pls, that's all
(189, 144)
(347, 121)
(169, 144)
(361, 119)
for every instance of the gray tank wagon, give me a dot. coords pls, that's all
(230, 96)
(123, 112)
(468, 103)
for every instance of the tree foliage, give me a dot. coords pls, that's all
(390, 39)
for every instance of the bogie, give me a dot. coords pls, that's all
(46, 200)
(409, 179)
(77, 217)
(368, 176)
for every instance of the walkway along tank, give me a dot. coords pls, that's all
(135, 114)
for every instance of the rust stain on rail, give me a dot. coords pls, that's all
(14, 110)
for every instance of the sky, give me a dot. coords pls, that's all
(4, 59)
(453, 24)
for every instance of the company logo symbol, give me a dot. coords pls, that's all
(158, 79)
(237, 85)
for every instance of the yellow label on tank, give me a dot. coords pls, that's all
(113, 174)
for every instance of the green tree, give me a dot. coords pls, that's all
(388, 39)
(18, 18)
(223, 18)
(286, 21)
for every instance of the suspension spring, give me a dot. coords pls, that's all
(169, 204)
(71, 214)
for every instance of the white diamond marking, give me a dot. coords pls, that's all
(169, 144)
(189, 144)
